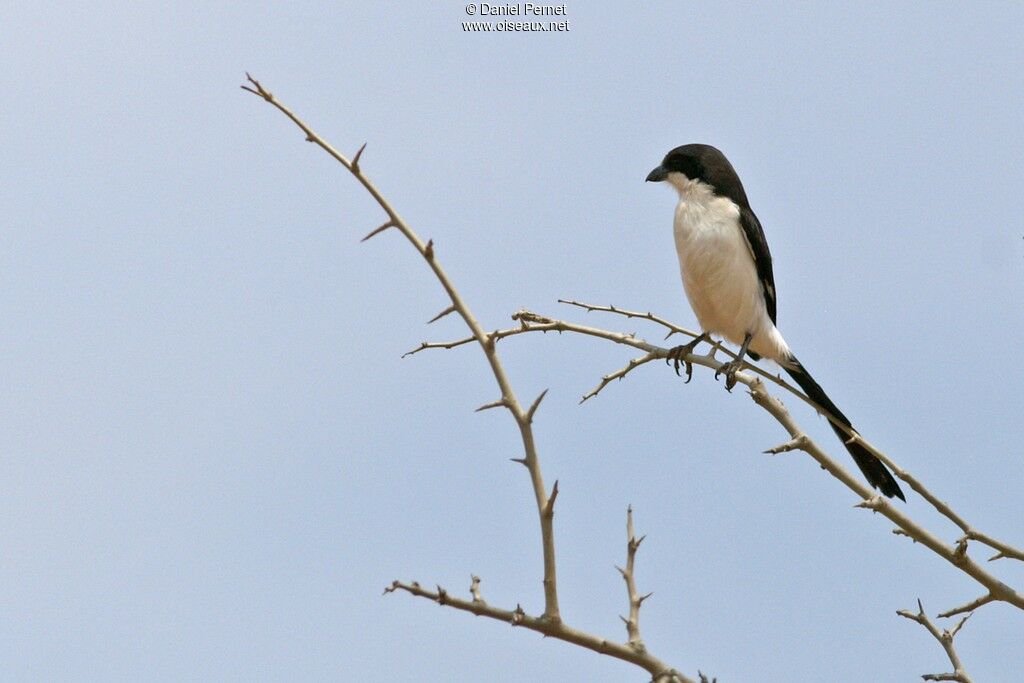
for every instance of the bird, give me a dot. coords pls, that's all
(726, 269)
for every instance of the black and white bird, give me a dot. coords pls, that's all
(727, 275)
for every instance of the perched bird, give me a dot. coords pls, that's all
(727, 275)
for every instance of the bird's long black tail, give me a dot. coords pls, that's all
(874, 471)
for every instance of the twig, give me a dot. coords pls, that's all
(968, 607)
(945, 638)
(439, 345)
(553, 629)
(618, 374)
(635, 599)
(672, 327)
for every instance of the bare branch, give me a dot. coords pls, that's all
(550, 622)
(870, 500)
(553, 628)
(945, 639)
(635, 599)
(551, 610)
(1004, 550)
(531, 322)
(438, 345)
(672, 327)
(618, 374)
(968, 607)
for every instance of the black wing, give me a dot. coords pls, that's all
(762, 257)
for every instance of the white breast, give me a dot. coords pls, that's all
(718, 271)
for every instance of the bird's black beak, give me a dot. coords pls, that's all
(657, 175)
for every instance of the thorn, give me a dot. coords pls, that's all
(796, 443)
(474, 589)
(450, 309)
(952, 632)
(871, 503)
(487, 406)
(442, 596)
(670, 333)
(355, 159)
(394, 584)
(377, 231)
(535, 405)
(960, 551)
(621, 570)
(428, 251)
(641, 599)
(521, 461)
(549, 509)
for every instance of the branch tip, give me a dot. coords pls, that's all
(968, 607)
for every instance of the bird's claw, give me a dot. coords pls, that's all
(675, 357)
(729, 370)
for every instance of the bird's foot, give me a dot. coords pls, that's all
(729, 370)
(676, 353)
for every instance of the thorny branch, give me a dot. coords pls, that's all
(550, 622)
(945, 638)
(1004, 550)
(635, 599)
(752, 377)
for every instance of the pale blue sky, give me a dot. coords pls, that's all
(213, 459)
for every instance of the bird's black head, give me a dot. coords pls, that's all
(703, 163)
